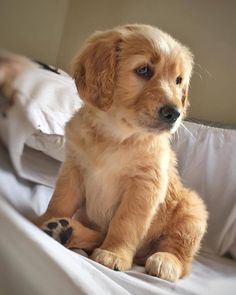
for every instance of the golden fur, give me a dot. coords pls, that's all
(119, 172)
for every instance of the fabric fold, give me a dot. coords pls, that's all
(43, 103)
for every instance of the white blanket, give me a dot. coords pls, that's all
(207, 163)
(33, 263)
(34, 127)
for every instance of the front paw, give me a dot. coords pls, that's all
(111, 260)
(58, 228)
(164, 265)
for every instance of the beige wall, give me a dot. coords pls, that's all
(33, 27)
(208, 27)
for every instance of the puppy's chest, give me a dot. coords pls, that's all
(103, 187)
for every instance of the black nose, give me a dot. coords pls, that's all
(169, 114)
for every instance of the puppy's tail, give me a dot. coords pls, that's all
(11, 66)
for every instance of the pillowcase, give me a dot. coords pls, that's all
(33, 128)
(207, 163)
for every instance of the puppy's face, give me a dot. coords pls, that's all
(137, 75)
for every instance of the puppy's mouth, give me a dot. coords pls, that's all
(167, 118)
(157, 126)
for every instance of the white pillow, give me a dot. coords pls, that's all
(33, 130)
(207, 163)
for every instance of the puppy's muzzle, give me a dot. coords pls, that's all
(169, 114)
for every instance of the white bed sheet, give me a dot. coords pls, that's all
(33, 263)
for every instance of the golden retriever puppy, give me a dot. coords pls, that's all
(118, 194)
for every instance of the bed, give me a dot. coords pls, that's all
(31, 151)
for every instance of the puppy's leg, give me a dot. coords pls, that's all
(128, 227)
(180, 239)
(68, 195)
(57, 220)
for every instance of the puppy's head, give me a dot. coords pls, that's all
(135, 74)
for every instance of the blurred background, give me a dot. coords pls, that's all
(53, 30)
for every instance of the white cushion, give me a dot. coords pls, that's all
(33, 130)
(207, 163)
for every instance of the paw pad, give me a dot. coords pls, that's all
(116, 268)
(48, 232)
(63, 222)
(59, 229)
(65, 235)
(52, 225)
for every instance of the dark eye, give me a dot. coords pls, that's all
(145, 72)
(178, 80)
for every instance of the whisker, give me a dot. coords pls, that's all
(196, 64)
(187, 130)
(175, 136)
(203, 70)
(193, 120)
(199, 75)
(208, 73)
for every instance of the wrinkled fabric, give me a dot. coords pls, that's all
(34, 263)
(207, 163)
(33, 130)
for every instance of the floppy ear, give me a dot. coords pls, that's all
(94, 70)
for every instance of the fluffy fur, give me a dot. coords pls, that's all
(119, 172)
